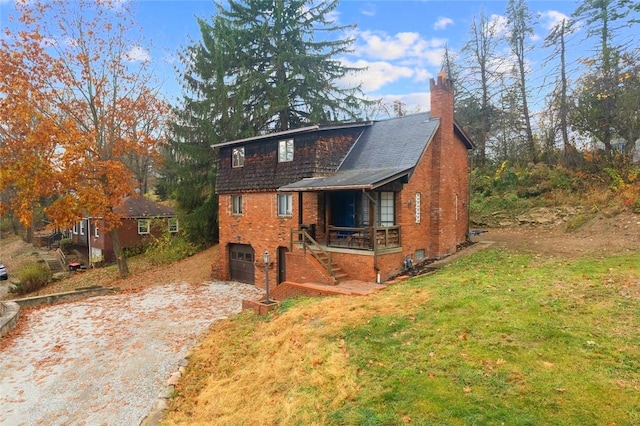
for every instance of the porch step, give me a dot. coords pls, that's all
(338, 274)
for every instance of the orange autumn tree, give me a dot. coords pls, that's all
(30, 132)
(102, 95)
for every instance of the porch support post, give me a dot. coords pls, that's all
(327, 215)
(300, 212)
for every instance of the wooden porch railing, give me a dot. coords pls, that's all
(361, 238)
(308, 243)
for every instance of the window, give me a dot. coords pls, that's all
(143, 226)
(237, 157)
(236, 204)
(285, 150)
(75, 229)
(387, 217)
(82, 228)
(419, 255)
(95, 231)
(173, 225)
(285, 205)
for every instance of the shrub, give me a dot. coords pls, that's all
(32, 276)
(135, 250)
(66, 245)
(170, 248)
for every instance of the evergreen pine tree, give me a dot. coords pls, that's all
(261, 66)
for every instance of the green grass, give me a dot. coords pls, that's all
(506, 339)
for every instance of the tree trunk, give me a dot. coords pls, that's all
(123, 267)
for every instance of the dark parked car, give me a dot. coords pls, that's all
(4, 275)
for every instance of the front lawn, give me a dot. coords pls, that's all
(494, 338)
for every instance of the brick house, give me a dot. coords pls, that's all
(142, 219)
(346, 201)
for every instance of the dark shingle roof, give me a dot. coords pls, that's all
(398, 142)
(386, 151)
(141, 207)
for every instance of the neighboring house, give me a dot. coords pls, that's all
(375, 196)
(142, 220)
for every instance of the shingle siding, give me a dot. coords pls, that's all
(315, 154)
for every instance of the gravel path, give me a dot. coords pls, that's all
(104, 360)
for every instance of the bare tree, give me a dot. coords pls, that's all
(520, 26)
(480, 56)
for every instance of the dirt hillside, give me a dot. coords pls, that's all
(602, 235)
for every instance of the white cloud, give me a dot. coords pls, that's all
(137, 54)
(369, 10)
(413, 102)
(442, 23)
(552, 18)
(500, 24)
(422, 75)
(408, 47)
(387, 47)
(376, 75)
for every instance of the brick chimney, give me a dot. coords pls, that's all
(444, 170)
(442, 99)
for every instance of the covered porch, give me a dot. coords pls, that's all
(355, 209)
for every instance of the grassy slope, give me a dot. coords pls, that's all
(494, 338)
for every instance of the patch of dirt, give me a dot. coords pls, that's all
(604, 235)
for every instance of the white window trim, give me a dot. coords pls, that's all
(240, 162)
(144, 223)
(95, 230)
(75, 229)
(288, 208)
(173, 229)
(239, 212)
(383, 204)
(82, 227)
(284, 153)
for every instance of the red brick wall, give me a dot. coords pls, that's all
(449, 196)
(128, 233)
(441, 178)
(302, 269)
(258, 226)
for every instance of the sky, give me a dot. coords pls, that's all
(400, 42)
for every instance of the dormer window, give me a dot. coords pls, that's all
(285, 150)
(237, 157)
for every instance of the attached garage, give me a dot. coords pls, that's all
(241, 263)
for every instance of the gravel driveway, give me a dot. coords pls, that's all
(104, 360)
